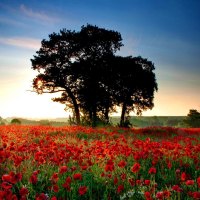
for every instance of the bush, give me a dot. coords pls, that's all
(15, 121)
(193, 119)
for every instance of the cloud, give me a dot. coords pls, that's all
(41, 16)
(27, 43)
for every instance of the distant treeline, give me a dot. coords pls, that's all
(136, 121)
(145, 121)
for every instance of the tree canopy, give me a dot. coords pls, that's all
(193, 118)
(92, 80)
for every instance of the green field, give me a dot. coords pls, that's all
(136, 121)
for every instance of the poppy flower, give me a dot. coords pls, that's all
(183, 176)
(159, 195)
(41, 196)
(198, 181)
(135, 168)
(167, 194)
(63, 169)
(115, 180)
(123, 176)
(82, 190)
(77, 176)
(6, 178)
(54, 177)
(147, 195)
(152, 170)
(176, 188)
(23, 191)
(109, 166)
(120, 188)
(147, 182)
(189, 182)
(33, 179)
(131, 181)
(6, 185)
(196, 195)
(55, 188)
(122, 164)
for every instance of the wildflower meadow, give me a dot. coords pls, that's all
(75, 162)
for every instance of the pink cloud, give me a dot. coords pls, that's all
(38, 15)
(28, 43)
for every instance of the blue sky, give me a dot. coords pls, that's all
(165, 32)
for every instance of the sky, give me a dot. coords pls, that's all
(165, 32)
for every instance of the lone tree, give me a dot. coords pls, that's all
(193, 118)
(57, 56)
(91, 78)
(15, 121)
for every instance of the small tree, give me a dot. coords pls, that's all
(193, 119)
(15, 121)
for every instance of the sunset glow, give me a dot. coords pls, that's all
(165, 32)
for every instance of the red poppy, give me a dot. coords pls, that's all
(77, 176)
(131, 181)
(147, 195)
(33, 179)
(63, 169)
(196, 195)
(109, 166)
(68, 180)
(115, 180)
(23, 191)
(84, 167)
(7, 178)
(55, 188)
(167, 194)
(54, 178)
(176, 188)
(6, 185)
(189, 182)
(159, 195)
(82, 190)
(152, 170)
(122, 164)
(135, 168)
(14, 197)
(41, 196)
(123, 176)
(120, 188)
(183, 176)
(147, 182)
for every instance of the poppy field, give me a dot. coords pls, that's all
(75, 162)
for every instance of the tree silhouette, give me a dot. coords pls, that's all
(15, 121)
(134, 86)
(193, 118)
(91, 78)
(57, 56)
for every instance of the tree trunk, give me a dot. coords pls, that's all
(106, 115)
(77, 113)
(75, 104)
(122, 119)
(94, 117)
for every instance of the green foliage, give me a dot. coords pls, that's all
(44, 122)
(15, 121)
(2, 121)
(193, 119)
